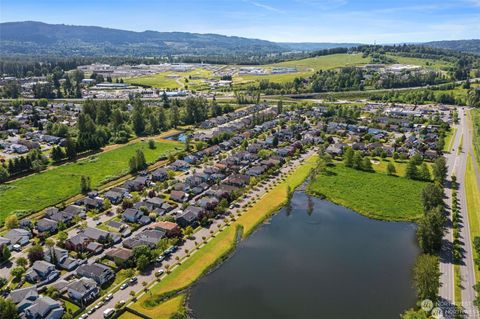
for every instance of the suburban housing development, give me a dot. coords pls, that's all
(190, 174)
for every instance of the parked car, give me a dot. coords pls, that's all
(123, 287)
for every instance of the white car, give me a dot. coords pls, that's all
(123, 287)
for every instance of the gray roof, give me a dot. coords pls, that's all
(82, 285)
(18, 295)
(15, 234)
(95, 269)
(42, 307)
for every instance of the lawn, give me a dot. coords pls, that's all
(475, 117)
(174, 80)
(428, 63)
(163, 80)
(35, 192)
(449, 138)
(375, 195)
(400, 166)
(305, 67)
(324, 62)
(130, 315)
(70, 307)
(163, 311)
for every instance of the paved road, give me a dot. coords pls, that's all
(457, 162)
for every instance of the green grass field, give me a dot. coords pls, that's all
(325, 62)
(305, 67)
(472, 190)
(52, 186)
(449, 138)
(475, 117)
(165, 310)
(428, 63)
(174, 80)
(375, 195)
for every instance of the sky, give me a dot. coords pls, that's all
(366, 21)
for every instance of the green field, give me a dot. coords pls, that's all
(428, 63)
(52, 186)
(174, 80)
(375, 195)
(475, 117)
(305, 67)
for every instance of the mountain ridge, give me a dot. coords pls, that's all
(43, 39)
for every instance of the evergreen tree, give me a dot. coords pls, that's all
(175, 116)
(411, 170)
(367, 165)
(357, 160)
(162, 119)
(440, 169)
(391, 169)
(430, 230)
(4, 174)
(348, 157)
(85, 185)
(426, 276)
(70, 149)
(425, 173)
(432, 196)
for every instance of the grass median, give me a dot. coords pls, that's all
(472, 191)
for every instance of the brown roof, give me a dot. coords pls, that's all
(166, 225)
(121, 253)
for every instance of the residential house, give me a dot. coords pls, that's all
(159, 175)
(132, 215)
(170, 229)
(180, 165)
(119, 255)
(78, 242)
(178, 196)
(46, 225)
(18, 236)
(208, 202)
(98, 272)
(44, 308)
(60, 258)
(82, 290)
(190, 216)
(41, 272)
(114, 197)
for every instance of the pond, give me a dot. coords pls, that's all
(180, 137)
(313, 259)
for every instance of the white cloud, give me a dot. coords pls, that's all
(266, 7)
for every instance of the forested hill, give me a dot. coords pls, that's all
(37, 38)
(470, 46)
(313, 46)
